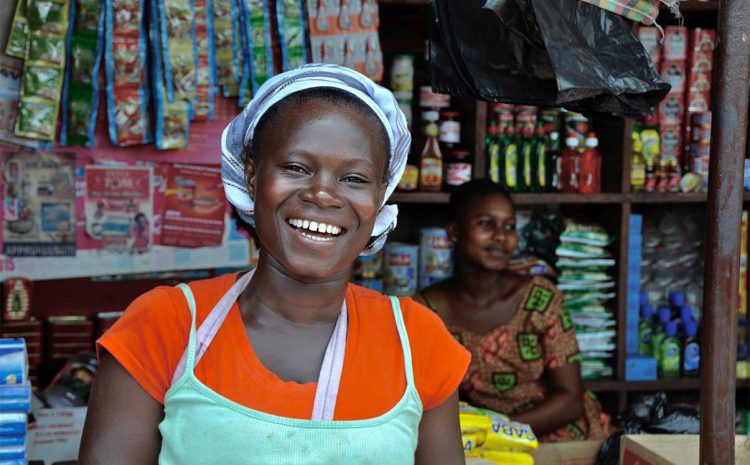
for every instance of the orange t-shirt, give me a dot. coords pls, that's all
(152, 334)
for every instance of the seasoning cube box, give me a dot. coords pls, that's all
(675, 43)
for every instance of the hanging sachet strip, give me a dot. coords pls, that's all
(43, 69)
(125, 58)
(81, 88)
(292, 28)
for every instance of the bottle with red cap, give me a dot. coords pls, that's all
(570, 165)
(590, 167)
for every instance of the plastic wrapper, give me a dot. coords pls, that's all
(88, 15)
(292, 29)
(72, 385)
(36, 118)
(50, 16)
(203, 106)
(16, 46)
(256, 45)
(495, 432)
(177, 24)
(519, 51)
(44, 48)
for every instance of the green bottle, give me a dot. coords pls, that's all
(509, 160)
(539, 160)
(492, 148)
(659, 332)
(525, 177)
(646, 331)
(669, 354)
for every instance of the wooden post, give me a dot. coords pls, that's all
(720, 300)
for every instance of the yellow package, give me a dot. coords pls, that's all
(508, 458)
(471, 444)
(505, 434)
(471, 423)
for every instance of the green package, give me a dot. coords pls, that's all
(83, 46)
(88, 13)
(16, 46)
(45, 48)
(80, 106)
(36, 118)
(48, 16)
(42, 81)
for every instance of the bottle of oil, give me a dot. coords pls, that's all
(509, 160)
(431, 161)
(637, 164)
(492, 149)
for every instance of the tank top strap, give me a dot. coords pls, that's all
(402, 334)
(190, 351)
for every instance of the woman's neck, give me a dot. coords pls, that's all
(480, 285)
(295, 299)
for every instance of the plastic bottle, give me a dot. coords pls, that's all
(570, 165)
(590, 167)
(676, 299)
(686, 314)
(492, 149)
(539, 165)
(669, 352)
(691, 352)
(553, 162)
(526, 143)
(664, 314)
(646, 330)
(509, 160)
(431, 161)
(637, 164)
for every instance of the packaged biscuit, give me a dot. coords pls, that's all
(16, 46)
(508, 457)
(496, 431)
(47, 24)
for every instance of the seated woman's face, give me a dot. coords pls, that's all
(486, 232)
(318, 187)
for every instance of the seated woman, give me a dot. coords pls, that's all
(524, 350)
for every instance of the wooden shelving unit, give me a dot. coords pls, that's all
(616, 205)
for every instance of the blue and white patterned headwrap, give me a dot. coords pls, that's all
(238, 135)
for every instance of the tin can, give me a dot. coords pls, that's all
(700, 128)
(435, 256)
(400, 276)
(369, 267)
(402, 74)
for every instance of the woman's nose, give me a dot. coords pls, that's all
(322, 192)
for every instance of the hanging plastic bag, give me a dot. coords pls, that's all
(542, 52)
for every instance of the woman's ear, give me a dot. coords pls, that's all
(251, 174)
(452, 229)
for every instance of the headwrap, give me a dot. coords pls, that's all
(238, 135)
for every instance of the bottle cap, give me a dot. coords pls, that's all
(665, 313)
(647, 312)
(676, 298)
(461, 153)
(430, 115)
(510, 130)
(431, 129)
(670, 328)
(644, 298)
(591, 141)
(554, 135)
(686, 314)
(691, 328)
(492, 130)
(571, 141)
(449, 114)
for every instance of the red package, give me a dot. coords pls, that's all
(671, 142)
(649, 37)
(698, 102)
(702, 40)
(17, 295)
(675, 43)
(699, 81)
(672, 110)
(701, 62)
(674, 73)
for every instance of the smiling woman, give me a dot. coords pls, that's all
(288, 363)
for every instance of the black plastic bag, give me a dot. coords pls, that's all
(542, 52)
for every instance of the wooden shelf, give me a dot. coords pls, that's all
(673, 384)
(420, 197)
(668, 197)
(561, 198)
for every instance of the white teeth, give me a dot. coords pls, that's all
(335, 230)
(313, 226)
(329, 229)
(305, 224)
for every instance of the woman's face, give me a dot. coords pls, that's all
(317, 185)
(486, 232)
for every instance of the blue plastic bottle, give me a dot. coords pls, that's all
(691, 352)
(665, 315)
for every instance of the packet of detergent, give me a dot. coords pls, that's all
(501, 433)
(508, 457)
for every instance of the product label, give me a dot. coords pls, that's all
(541, 165)
(644, 338)
(450, 132)
(431, 173)
(493, 153)
(527, 165)
(458, 173)
(675, 44)
(669, 361)
(511, 165)
(638, 179)
(429, 99)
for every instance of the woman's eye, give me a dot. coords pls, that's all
(355, 179)
(485, 224)
(295, 168)
(510, 227)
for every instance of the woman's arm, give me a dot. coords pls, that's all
(122, 423)
(440, 435)
(564, 402)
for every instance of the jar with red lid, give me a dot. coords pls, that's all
(457, 168)
(450, 130)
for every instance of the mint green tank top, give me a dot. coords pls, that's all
(201, 427)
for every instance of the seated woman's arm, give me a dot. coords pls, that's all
(563, 404)
(122, 423)
(440, 435)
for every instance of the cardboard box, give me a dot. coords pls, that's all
(697, 102)
(672, 449)
(675, 43)
(674, 73)
(649, 37)
(567, 453)
(671, 142)
(672, 110)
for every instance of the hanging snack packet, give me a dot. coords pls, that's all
(43, 69)
(224, 42)
(203, 106)
(177, 24)
(16, 46)
(81, 88)
(127, 82)
(257, 53)
(292, 29)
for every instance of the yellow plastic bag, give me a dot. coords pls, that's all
(508, 458)
(471, 445)
(498, 431)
